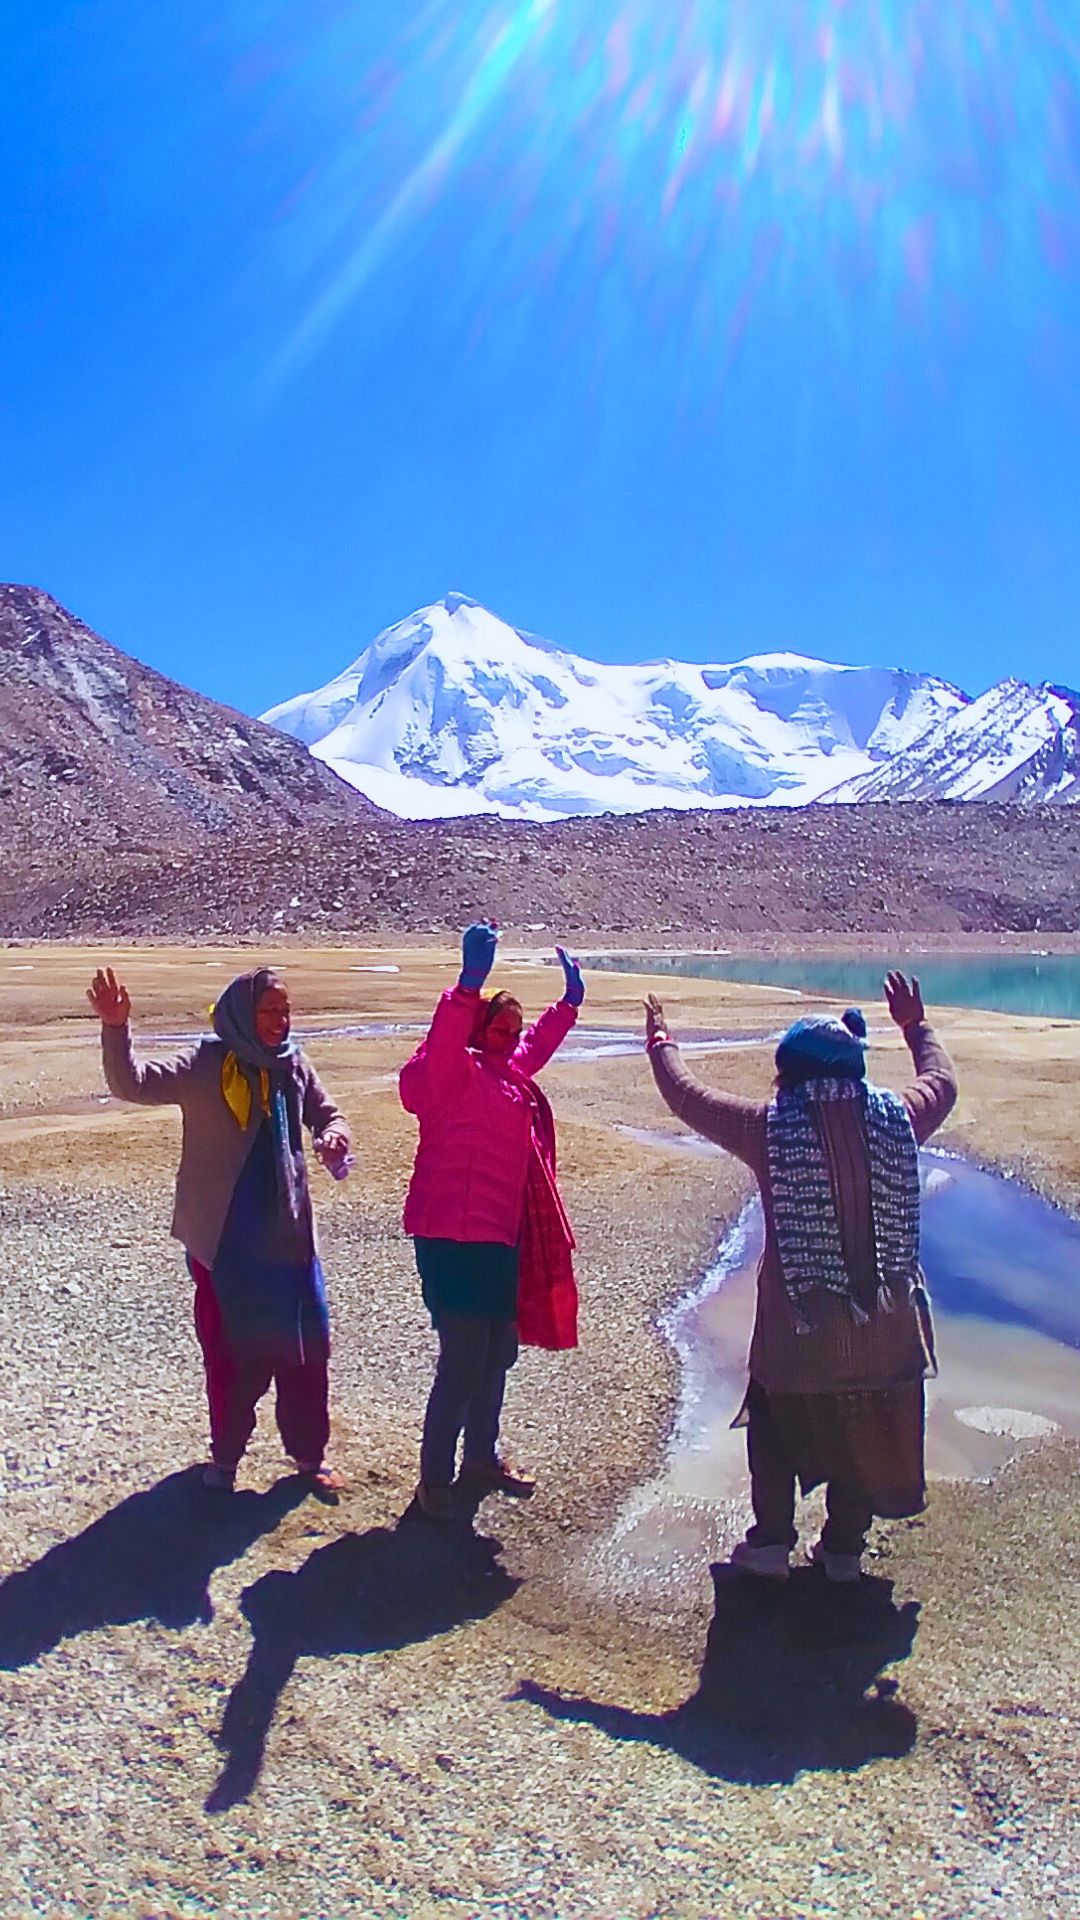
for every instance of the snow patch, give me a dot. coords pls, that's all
(1014, 1423)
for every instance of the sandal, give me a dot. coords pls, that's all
(322, 1479)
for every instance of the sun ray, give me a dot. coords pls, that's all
(422, 184)
(668, 135)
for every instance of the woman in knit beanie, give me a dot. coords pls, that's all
(842, 1338)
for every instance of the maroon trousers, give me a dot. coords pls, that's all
(239, 1373)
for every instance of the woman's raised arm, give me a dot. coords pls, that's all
(439, 1064)
(933, 1096)
(147, 1083)
(725, 1118)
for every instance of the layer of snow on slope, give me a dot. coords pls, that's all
(1013, 742)
(453, 711)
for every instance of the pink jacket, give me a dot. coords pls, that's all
(475, 1115)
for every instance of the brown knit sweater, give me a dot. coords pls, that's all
(839, 1355)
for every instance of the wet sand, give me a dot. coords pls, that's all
(368, 1767)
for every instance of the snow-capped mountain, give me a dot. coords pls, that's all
(1014, 742)
(453, 711)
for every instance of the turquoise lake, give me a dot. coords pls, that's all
(1043, 984)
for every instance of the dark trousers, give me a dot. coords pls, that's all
(772, 1495)
(467, 1394)
(237, 1376)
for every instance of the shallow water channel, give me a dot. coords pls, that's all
(587, 1043)
(1003, 1270)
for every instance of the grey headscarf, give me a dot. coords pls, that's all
(234, 1022)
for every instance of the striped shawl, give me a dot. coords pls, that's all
(804, 1210)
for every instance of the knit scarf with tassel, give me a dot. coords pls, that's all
(804, 1211)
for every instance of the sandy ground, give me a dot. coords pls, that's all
(297, 1710)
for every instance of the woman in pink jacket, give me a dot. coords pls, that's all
(493, 1243)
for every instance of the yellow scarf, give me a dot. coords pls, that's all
(236, 1088)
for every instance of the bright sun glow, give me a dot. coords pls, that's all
(714, 142)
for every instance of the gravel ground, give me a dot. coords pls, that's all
(275, 1707)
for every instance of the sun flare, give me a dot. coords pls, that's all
(895, 141)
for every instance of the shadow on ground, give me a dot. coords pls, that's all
(150, 1558)
(792, 1679)
(365, 1593)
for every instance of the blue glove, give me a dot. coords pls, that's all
(574, 991)
(477, 955)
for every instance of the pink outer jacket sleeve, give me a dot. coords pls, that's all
(544, 1038)
(439, 1066)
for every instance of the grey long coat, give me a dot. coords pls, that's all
(214, 1147)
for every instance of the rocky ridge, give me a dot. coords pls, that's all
(925, 868)
(98, 750)
(1015, 742)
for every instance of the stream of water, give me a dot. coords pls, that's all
(1003, 1270)
(588, 1042)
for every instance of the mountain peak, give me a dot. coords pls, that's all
(1014, 742)
(455, 711)
(788, 663)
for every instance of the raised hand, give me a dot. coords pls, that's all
(109, 998)
(478, 944)
(574, 991)
(655, 1022)
(904, 999)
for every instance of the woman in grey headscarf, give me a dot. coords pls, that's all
(243, 1211)
(842, 1339)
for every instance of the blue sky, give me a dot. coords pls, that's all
(699, 327)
